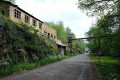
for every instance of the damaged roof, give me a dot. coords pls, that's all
(59, 43)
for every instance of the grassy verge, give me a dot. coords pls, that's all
(21, 67)
(108, 66)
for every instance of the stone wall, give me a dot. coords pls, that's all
(9, 9)
(50, 31)
(12, 8)
(5, 8)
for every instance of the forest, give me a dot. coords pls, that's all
(62, 34)
(107, 24)
(106, 31)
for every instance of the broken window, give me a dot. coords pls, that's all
(51, 35)
(34, 22)
(45, 32)
(3, 12)
(40, 25)
(27, 19)
(48, 34)
(54, 36)
(17, 14)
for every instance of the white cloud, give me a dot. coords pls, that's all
(58, 10)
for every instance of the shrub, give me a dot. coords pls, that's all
(23, 43)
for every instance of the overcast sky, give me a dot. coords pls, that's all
(58, 10)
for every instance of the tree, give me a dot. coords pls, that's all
(79, 46)
(109, 45)
(62, 33)
(108, 23)
(98, 6)
(12, 1)
(110, 8)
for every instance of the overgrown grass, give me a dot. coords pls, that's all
(108, 66)
(20, 67)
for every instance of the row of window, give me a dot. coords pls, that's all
(49, 35)
(17, 14)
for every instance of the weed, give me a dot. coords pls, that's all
(109, 67)
(6, 70)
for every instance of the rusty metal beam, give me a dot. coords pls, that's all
(118, 34)
(91, 37)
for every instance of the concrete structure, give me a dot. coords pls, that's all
(18, 15)
(62, 47)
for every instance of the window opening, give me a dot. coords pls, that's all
(3, 12)
(34, 22)
(27, 19)
(17, 14)
(40, 25)
(51, 35)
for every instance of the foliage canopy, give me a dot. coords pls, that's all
(108, 24)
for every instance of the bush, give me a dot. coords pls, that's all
(23, 43)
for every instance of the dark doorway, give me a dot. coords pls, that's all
(3, 12)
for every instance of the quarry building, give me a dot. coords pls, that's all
(18, 15)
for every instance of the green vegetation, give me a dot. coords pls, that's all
(22, 48)
(108, 45)
(22, 44)
(12, 1)
(109, 67)
(21, 67)
(96, 7)
(107, 24)
(62, 34)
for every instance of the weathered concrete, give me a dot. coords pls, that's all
(75, 68)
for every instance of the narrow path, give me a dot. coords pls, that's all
(75, 68)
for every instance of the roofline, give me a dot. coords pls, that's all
(22, 10)
(49, 26)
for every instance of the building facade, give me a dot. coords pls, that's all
(18, 15)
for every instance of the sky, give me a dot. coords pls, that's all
(59, 10)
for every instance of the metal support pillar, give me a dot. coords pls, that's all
(70, 46)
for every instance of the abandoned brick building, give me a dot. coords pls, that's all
(18, 15)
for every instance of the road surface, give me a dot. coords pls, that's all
(75, 68)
